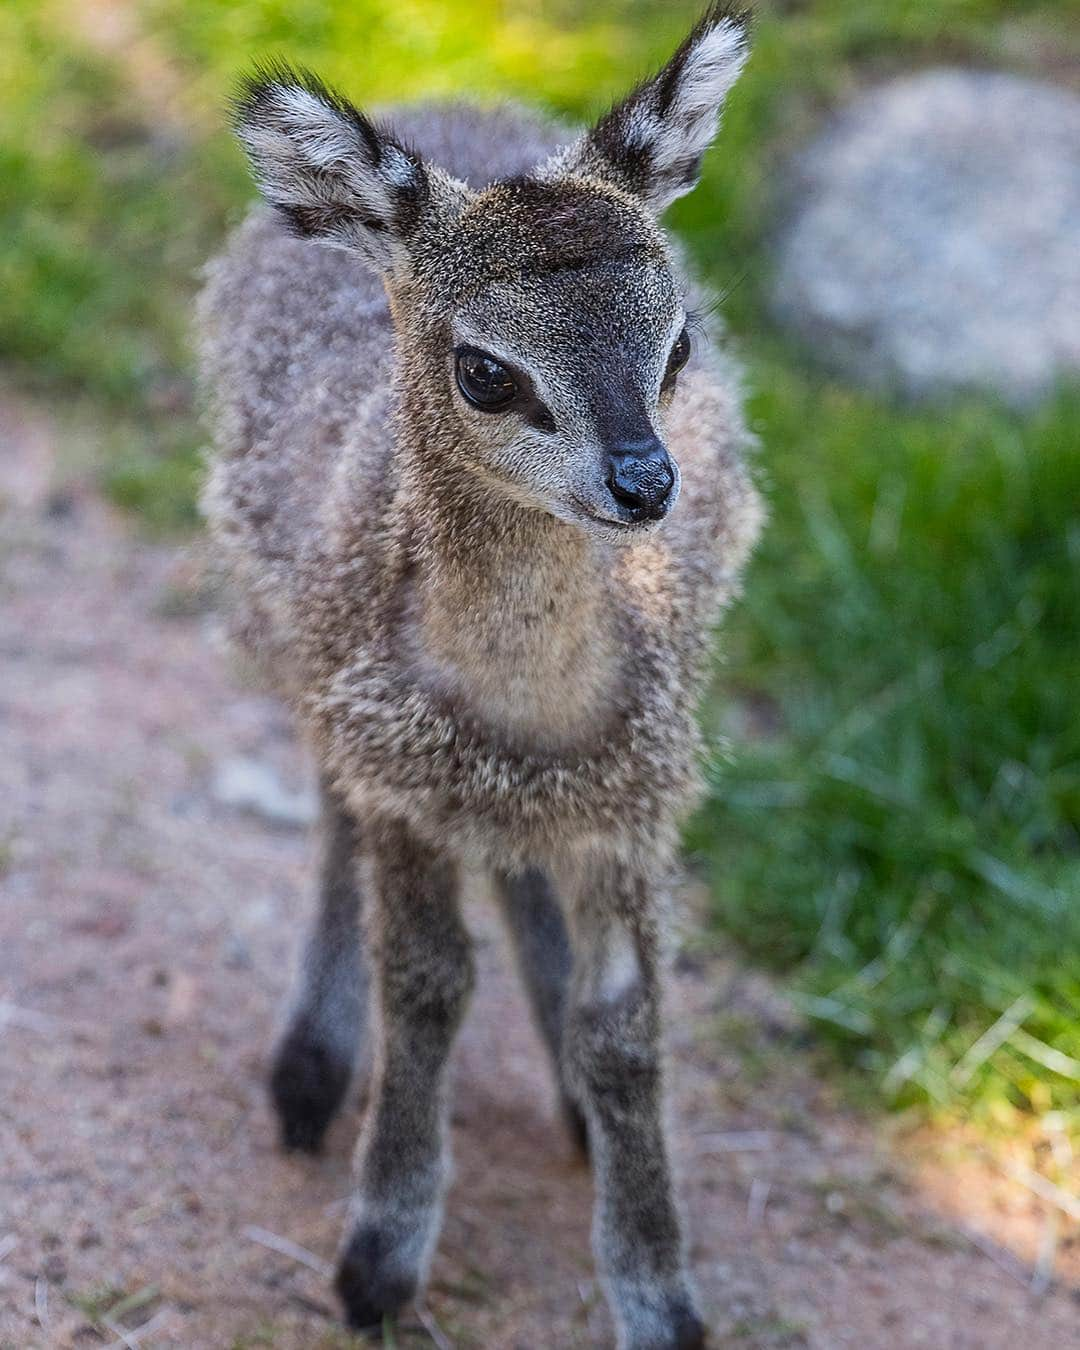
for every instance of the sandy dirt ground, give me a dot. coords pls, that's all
(148, 924)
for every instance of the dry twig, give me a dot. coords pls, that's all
(756, 1201)
(41, 1302)
(284, 1247)
(734, 1141)
(1046, 1190)
(1004, 1260)
(428, 1322)
(1043, 1274)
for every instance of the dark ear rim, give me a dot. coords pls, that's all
(633, 163)
(721, 11)
(253, 97)
(252, 93)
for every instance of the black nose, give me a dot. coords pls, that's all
(640, 476)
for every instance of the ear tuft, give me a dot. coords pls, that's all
(331, 172)
(652, 143)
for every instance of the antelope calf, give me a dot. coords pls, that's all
(483, 502)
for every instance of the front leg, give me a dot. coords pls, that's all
(423, 974)
(316, 1057)
(613, 1057)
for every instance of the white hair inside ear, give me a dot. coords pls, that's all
(712, 66)
(652, 143)
(335, 175)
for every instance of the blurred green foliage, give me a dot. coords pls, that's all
(905, 834)
(901, 833)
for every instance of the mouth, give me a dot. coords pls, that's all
(619, 524)
(595, 517)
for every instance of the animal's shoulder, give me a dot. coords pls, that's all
(279, 315)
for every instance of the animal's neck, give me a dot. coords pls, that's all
(510, 609)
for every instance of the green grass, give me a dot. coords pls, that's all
(904, 841)
(908, 840)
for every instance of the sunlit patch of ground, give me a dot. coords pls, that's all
(1016, 1197)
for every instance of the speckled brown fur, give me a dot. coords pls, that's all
(494, 658)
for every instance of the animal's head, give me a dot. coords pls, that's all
(540, 319)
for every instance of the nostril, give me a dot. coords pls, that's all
(622, 488)
(641, 483)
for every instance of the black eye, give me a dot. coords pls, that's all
(485, 382)
(680, 354)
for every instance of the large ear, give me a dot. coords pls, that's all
(331, 172)
(652, 143)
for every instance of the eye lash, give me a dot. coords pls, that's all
(697, 320)
(697, 323)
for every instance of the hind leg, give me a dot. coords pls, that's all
(316, 1057)
(537, 926)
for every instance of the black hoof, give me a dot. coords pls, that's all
(687, 1330)
(368, 1290)
(576, 1124)
(671, 1325)
(308, 1086)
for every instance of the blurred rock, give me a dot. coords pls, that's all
(249, 785)
(932, 242)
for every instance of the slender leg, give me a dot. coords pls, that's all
(423, 976)
(613, 1056)
(538, 929)
(316, 1057)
